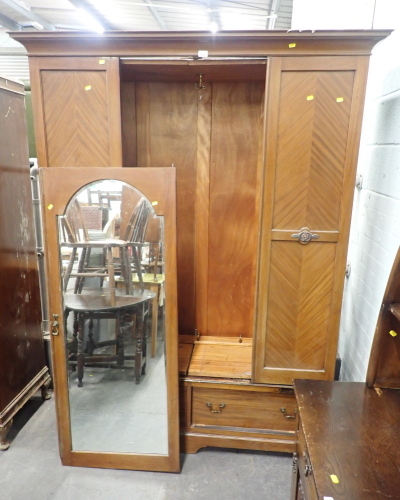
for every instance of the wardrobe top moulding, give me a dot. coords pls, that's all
(188, 44)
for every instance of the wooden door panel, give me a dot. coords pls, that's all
(166, 115)
(312, 142)
(76, 117)
(313, 121)
(235, 147)
(77, 111)
(300, 300)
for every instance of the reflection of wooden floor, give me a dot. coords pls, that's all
(112, 414)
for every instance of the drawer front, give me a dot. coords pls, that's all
(243, 408)
(306, 477)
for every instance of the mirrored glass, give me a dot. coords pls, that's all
(111, 246)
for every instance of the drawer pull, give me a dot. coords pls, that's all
(222, 405)
(283, 410)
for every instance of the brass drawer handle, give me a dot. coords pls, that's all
(305, 236)
(222, 405)
(283, 410)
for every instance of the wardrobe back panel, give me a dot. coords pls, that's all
(166, 135)
(235, 153)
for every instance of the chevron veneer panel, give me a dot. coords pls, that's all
(76, 118)
(300, 295)
(314, 116)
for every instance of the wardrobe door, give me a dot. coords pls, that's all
(313, 120)
(77, 111)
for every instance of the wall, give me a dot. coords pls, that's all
(375, 230)
(333, 14)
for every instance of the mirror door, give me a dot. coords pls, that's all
(110, 241)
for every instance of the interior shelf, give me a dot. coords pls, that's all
(225, 357)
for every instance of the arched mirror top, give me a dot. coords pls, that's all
(110, 209)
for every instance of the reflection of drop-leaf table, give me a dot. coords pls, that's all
(98, 304)
(156, 286)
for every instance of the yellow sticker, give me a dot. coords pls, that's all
(310, 98)
(334, 478)
(50, 207)
(339, 99)
(292, 45)
(102, 61)
(393, 333)
(88, 87)
(154, 203)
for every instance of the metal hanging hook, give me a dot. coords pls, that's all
(200, 85)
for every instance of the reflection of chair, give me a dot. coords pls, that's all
(102, 198)
(77, 236)
(154, 239)
(128, 310)
(105, 303)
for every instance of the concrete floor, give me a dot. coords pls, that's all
(31, 470)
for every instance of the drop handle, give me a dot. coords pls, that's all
(291, 417)
(209, 405)
(307, 467)
(307, 470)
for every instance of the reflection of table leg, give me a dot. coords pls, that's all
(80, 361)
(156, 288)
(139, 345)
(154, 318)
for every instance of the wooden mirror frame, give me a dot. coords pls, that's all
(58, 186)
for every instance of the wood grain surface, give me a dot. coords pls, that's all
(299, 298)
(77, 111)
(352, 432)
(384, 361)
(252, 410)
(22, 355)
(235, 136)
(166, 116)
(221, 359)
(313, 118)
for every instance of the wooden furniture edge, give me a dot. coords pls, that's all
(192, 443)
(41, 379)
(188, 43)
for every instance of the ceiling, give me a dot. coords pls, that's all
(145, 15)
(131, 15)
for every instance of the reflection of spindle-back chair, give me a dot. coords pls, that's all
(154, 239)
(105, 303)
(77, 235)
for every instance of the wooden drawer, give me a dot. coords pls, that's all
(243, 408)
(306, 477)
